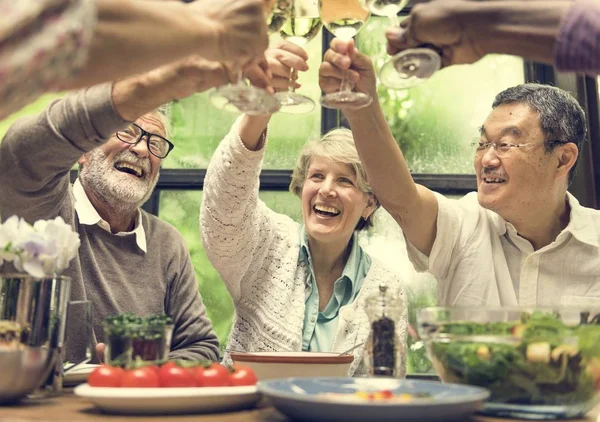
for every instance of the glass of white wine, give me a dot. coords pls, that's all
(344, 18)
(409, 67)
(280, 12)
(302, 26)
(247, 98)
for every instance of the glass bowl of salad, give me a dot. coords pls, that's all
(132, 341)
(537, 363)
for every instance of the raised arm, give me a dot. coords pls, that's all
(468, 30)
(51, 45)
(133, 36)
(38, 151)
(233, 221)
(414, 207)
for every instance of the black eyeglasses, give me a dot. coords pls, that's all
(157, 145)
(503, 149)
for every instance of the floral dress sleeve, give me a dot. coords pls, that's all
(43, 43)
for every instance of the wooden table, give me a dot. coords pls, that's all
(75, 409)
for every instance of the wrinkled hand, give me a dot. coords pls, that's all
(188, 76)
(438, 23)
(344, 60)
(274, 72)
(240, 28)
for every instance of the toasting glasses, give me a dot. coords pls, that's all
(344, 18)
(301, 27)
(409, 67)
(246, 98)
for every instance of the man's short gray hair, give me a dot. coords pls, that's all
(560, 116)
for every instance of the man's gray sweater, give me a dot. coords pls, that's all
(110, 271)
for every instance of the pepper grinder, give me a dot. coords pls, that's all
(383, 345)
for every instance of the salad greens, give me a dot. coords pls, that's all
(132, 340)
(537, 360)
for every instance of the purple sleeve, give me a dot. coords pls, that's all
(578, 42)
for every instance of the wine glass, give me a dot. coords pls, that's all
(302, 26)
(344, 18)
(280, 12)
(240, 97)
(410, 67)
(247, 98)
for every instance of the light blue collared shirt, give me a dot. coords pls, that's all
(320, 327)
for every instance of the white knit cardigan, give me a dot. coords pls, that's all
(255, 251)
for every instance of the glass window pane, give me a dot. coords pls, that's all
(383, 241)
(436, 121)
(198, 127)
(181, 209)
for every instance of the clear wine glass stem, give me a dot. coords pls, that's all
(293, 77)
(239, 77)
(345, 85)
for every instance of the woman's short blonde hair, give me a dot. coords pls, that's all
(336, 145)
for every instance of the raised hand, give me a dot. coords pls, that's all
(140, 94)
(344, 60)
(274, 71)
(239, 26)
(443, 23)
(188, 76)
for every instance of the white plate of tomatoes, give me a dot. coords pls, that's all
(79, 374)
(170, 389)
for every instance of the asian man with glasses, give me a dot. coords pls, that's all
(522, 239)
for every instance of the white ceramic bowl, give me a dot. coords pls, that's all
(269, 365)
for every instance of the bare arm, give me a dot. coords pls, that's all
(133, 36)
(414, 207)
(141, 94)
(468, 30)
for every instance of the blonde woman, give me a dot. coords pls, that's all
(295, 286)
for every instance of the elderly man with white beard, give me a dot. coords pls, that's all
(129, 260)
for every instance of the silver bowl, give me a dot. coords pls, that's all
(23, 370)
(32, 327)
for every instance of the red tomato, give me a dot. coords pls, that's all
(144, 377)
(176, 376)
(155, 368)
(242, 375)
(215, 375)
(169, 364)
(106, 376)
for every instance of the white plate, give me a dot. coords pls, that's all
(79, 374)
(307, 399)
(151, 401)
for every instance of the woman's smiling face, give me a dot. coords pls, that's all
(332, 203)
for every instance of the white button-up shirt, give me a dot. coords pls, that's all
(87, 214)
(479, 258)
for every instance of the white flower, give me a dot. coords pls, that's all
(42, 250)
(8, 233)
